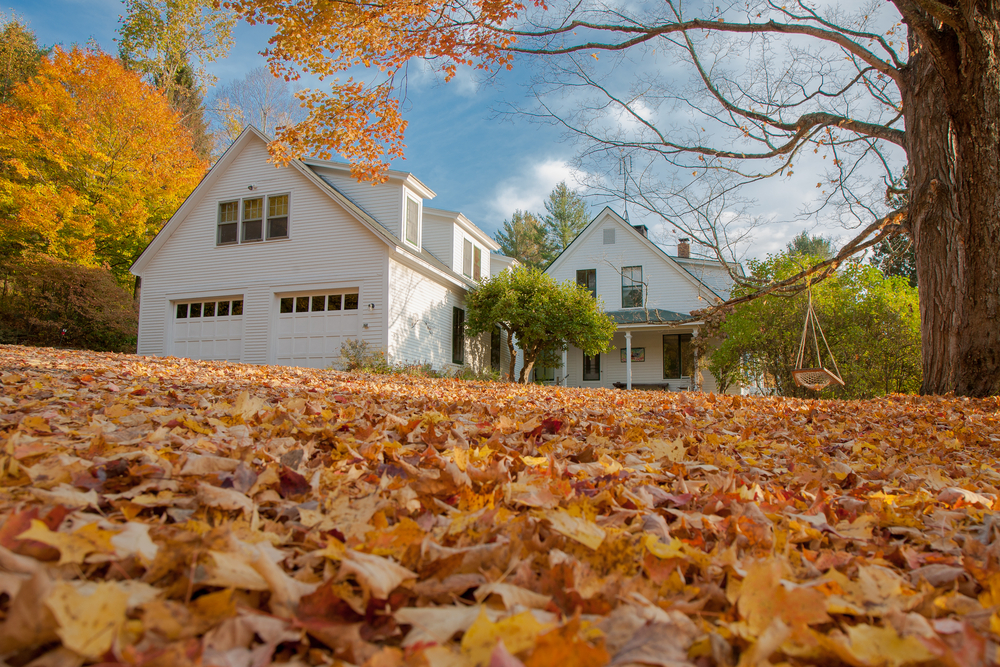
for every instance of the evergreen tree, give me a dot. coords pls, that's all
(813, 246)
(523, 238)
(567, 216)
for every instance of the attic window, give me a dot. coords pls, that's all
(609, 236)
(412, 211)
(243, 221)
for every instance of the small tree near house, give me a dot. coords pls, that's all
(542, 315)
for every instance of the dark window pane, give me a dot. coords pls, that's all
(687, 356)
(287, 303)
(195, 310)
(496, 340)
(301, 304)
(223, 308)
(588, 278)
(678, 356)
(333, 303)
(251, 230)
(350, 302)
(227, 233)
(592, 367)
(457, 336)
(277, 228)
(182, 310)
(631, 287)
(208, 309)
(319, 303)
(238, 307)
(543, 374)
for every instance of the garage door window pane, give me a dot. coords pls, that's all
(223, 308)
(333, 302)
(286, 304)
(350, 302)
(195, 310)
(319, 302)
(238, 307)
(209, 310)
(182, 310)
(301, 304)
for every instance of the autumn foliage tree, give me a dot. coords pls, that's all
(906, 82)
(541, 316)
(92, 162)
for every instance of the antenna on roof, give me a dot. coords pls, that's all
(624, 168)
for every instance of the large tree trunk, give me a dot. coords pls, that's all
(952, 115)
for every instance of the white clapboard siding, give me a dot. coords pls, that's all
(326, 248)
(438, 238)
(420, 314)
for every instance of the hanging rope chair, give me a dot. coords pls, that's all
(819, 377)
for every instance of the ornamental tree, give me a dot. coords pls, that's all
(92, 162)
(545, 317)
(904, 83)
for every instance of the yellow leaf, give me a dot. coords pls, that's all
(88, 624)
(73, 547)
(673, 451)
(518, 633)
(583, 531)
(882, 646)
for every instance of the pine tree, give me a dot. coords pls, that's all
(567, 216)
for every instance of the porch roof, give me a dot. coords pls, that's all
(646, 316)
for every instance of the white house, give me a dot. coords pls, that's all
(274, 265)
(648, 293)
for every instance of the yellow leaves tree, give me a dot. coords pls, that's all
(361, 119)
(92, 162)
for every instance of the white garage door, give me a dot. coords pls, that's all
(208, 329)
(311, 327)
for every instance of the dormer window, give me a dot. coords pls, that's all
(412, 213)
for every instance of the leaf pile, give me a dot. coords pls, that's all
(169, 512)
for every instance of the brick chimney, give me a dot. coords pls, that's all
(642, 229)
(683, 248)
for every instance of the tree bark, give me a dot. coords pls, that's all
(953, 138)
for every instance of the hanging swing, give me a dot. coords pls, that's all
(820, 377)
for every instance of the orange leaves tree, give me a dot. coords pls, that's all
(908, 82)
(92, 162)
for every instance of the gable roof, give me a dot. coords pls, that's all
(251, 133)
(608, 213)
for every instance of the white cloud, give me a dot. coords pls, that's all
(530, 187)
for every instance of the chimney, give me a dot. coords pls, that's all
(683, 248)
(642, 229)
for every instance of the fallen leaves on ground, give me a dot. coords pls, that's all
(159, 511)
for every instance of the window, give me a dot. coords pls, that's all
(678, 356)
(229, 216)
(592, 367)
(319, 303)
(412, 211)
(316, 303)
(209, 309)
(588, 278)
(243, 221)
(253, 219)
(467, 258)
(631, 287)
(545, 374)
(609, 236)
(477, 263)
(351, 301)
(277, 217)
(457, 336)
(333, 302)
(496, 340)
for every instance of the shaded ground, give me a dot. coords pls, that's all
(169, 512)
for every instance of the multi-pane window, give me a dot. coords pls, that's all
(277, 217)
(631, 287)
(477, 263)
(678, 356)
(467, 258)
(317, 303)
(457, 336)
(244, 222)
(412, 211)
(592, 367)
(229, 221)
(587, 278)
(253, 219)
(202, 309)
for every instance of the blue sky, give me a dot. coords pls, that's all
(477, 164)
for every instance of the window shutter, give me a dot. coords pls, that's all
(609, 236)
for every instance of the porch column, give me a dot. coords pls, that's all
(628, 359)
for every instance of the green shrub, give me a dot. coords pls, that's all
(359, 355)
(46, 301)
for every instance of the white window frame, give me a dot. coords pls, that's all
(240, 204)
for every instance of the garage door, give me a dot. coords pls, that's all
(208, 329)
(311, 327)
